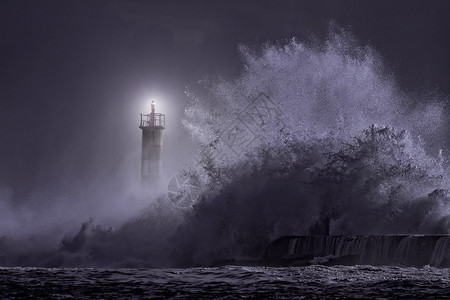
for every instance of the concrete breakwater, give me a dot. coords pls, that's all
(404, 250)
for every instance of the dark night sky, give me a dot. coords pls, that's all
(72, 72)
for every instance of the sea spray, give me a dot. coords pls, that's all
(337, 86)
(321, 167)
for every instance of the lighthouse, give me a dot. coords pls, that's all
(152, 126)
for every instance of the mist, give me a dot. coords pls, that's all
(70, 139)
(338, 152)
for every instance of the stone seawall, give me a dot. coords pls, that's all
(404, 250)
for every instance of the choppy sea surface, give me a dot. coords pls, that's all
(229, 282)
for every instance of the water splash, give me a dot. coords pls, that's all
(328, 168)
(337, 86)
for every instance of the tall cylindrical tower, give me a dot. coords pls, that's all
(152, 126)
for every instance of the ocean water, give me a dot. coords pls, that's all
(228, 282)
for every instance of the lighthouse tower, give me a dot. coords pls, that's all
(152, 126)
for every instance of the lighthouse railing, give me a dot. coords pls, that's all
(155, 119)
